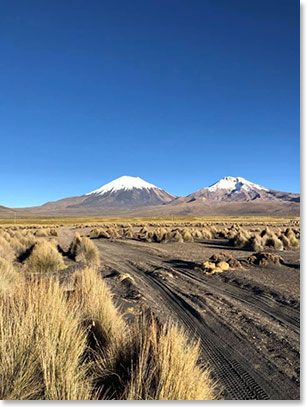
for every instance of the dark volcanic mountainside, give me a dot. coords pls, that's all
(126, 198)
(120, 193)
(125, 192)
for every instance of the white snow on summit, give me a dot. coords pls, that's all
(123, 183)
(235, 183)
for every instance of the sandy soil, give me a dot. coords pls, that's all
(247, 319)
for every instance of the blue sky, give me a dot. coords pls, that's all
(178, 92)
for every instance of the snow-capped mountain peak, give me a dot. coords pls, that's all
(235, 184)
(124, 183)
(235, 189)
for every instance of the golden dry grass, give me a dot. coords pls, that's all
(157, 363)
(83, 250)
(44, 258)
(57, 348)
(97, 308)
(8, 275)
(6, 251)
(41, 345)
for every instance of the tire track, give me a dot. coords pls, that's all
(238, 383)
(234, 372)
(260, 302)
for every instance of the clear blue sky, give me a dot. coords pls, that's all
(178, 92)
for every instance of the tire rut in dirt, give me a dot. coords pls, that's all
(237, 382)
(289, 318)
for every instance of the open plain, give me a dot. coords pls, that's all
(234, 285)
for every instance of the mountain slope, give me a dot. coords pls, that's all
(132, 196)
(238, 189)
(122, 192)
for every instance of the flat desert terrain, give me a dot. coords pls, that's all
(246, 314)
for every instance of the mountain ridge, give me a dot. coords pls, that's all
(128, 195)
(240, 189)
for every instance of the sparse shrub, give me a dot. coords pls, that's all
(176, 237)
(128, 233)
(267, 232)
(83, 250)
(44, 258)
(8, 275)
(207, 235)
(95, 233)
(209, 267)
(158, 363)
(6, 251)
(144, 230)
(223, 233)
(197, 234)
(42, 344)
(187, 237)
(285, 241)
(94, 300)
(17, 246)
(53, 232)
(213, 231)
(112, 233)
(223, 257)
(256, 243)
(274, 242)
(158, 235)
(263, 259)
(294, 242)
(240, 240)
(42, 233)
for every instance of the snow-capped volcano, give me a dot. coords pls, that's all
(235, 184)
(125, 191)
(239, 189)
(133, 195)
(125, 183)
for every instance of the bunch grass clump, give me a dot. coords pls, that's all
(42, 344)
(6, 251)
(187, 236)
(8, 276)
(157, 363)
(83, 250)
(98, 310)
(78, 347)
(44, 258)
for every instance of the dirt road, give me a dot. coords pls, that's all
(248, 320)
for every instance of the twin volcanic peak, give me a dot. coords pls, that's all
(129, 192)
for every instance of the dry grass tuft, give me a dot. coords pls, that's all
(41, 345)
(158, 363)
(42, 233)
(44, 258)
(83, 250)
(263, 259)
(97, 309)
(256, 243)
(187, 236)
(8, 276)
(6, 251)
(240, 240)
(207, 235)
(274, 242)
